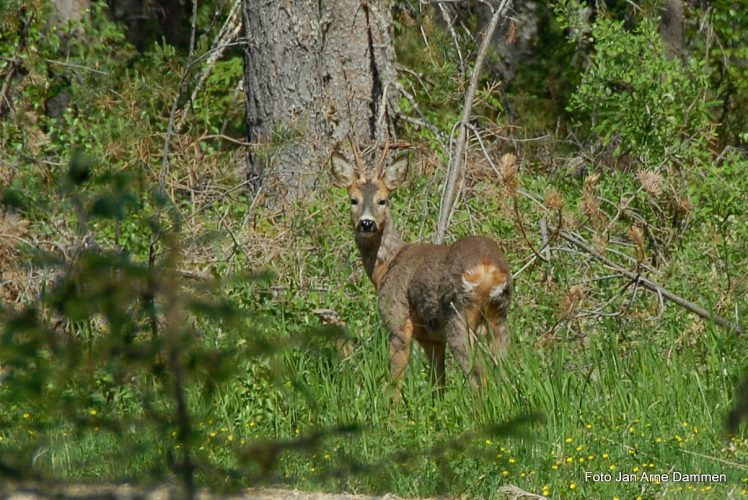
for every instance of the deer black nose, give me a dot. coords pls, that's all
(367, 226)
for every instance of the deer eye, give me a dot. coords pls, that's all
(382, 202)
(354, 201)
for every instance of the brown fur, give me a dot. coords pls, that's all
(436, 294)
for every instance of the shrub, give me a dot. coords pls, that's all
(642, 102)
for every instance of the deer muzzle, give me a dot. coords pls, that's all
(367, 226)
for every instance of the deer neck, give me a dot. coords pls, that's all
(378, 252)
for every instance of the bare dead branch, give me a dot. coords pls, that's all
(530, 262)
(229, 32)
(76, 66)
(173, 113)
(652, 286)
(456, 164)
(419, 122)
(521, 226)
(455, 39)
(544, 236)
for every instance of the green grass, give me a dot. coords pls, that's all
(600, 395)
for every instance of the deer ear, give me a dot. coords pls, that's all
(394, 173)
(342, 170)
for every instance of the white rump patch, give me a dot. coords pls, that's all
(497, 291)
(485, 280)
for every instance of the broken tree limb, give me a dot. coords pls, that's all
(456, 163)
(651, 285)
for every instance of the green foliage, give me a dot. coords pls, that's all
(13, 14)
(221, 93)
(642, 102)
(726, 53)
(435, 82)
(719, 193)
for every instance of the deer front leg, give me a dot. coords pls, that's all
(400, 343)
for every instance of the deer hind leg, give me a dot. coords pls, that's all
(459, 341)
(435, 356)
(498, 338)
(399, 352)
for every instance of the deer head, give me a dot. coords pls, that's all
(369, 193)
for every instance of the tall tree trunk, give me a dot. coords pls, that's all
(69, 11)
(316, 74)
(672, 24)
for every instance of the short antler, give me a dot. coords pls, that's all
(383, 159)
(360, 169)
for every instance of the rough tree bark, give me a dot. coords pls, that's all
(672, 24)
(316, 74)
(69, 11)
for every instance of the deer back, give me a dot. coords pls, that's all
(431, 283)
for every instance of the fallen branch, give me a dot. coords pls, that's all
(716, 459)
(514, 492)
(651, 285)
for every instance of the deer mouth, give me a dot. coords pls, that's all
(366, 234)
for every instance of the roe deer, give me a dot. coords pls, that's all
(438, 295)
